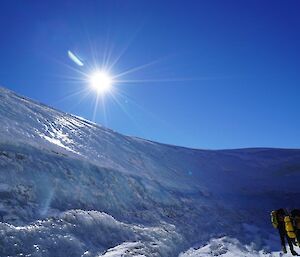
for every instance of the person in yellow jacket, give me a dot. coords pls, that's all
(278, 223)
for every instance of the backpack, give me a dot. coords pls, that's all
(289, 227)
(274, 219)
(297, 222)
(296, 217)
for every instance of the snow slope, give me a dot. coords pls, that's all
(229, 247)
(70, 187)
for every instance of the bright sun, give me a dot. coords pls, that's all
(101, 81)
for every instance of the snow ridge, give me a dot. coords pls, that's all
(70, 187)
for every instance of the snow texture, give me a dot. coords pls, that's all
(69, 187)
(228, 247)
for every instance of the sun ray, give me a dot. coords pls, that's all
(125, 111)
(85, 95)
(95, 108)
(159, 80)
(137, 68)
(77, 92)
(104, 111)
(125, 49)
(141, 108)
(69, 67)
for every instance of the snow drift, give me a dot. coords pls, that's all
(70, 187)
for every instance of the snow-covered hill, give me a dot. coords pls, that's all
(69, 187)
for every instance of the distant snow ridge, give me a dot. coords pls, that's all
(69, 187)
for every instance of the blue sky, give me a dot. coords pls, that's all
(224, 74)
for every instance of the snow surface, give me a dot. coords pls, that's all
(228, 247)
(69, 187)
